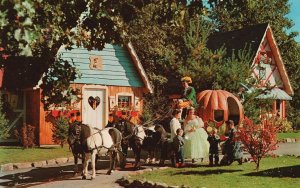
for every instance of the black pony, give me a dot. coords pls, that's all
(139, 138)
(165, 146)
(151, 144)
(131, 137)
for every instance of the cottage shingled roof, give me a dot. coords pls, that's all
(237, 39)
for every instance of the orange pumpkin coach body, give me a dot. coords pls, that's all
(219, 106)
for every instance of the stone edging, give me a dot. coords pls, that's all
(290, 140)
(50, 162)
(125, 181)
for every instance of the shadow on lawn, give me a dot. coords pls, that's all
(289, 171)
(207, 172)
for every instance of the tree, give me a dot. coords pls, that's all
(39, 28)
(258, 139)
(213, 69)
(60, 130)
(236, 14)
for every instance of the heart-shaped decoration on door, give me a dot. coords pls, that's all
(94, 102)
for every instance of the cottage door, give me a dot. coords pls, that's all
(94, 107)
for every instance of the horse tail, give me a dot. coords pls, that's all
(116, 136)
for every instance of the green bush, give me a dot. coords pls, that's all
(297, 123)
(4, 126)
(60, 130)
(26, 135)
(285, 125)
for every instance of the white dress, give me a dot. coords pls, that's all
(196, 145)
(174, 125)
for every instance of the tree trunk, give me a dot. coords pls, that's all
(257, 165)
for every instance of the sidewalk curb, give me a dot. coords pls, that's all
(289, 140)
(127, 182)
(26, 165)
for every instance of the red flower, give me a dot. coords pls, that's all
(5, 56)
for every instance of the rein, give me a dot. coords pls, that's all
(158, 118)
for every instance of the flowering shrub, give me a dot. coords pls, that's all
(285, 125)
(258, 139)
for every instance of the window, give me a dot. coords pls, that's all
(262, 73)
(218, 115)
(124, 102)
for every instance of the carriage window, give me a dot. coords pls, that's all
(219, 115)
(124, 102)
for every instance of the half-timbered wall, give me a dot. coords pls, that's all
(266, 69)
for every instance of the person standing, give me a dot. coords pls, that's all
(178, 143)
(196, 144)
(175, 124)
(124, 127)
(214, 140)
(111, 121)
(232, 147)
(188, 96)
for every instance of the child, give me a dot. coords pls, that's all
(213, 140)
(111, 121)
(178, 143)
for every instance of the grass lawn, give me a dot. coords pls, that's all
(273, 173)
(288, 135)
(12, 154)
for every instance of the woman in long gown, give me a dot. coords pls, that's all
(196, 145)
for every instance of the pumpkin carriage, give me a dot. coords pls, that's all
(215, 107)
(219, 106)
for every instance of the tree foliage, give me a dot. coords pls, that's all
(258, 139)
(169, 37)
(56, 83)
(60, 130)
(39, 28)
(213, 69)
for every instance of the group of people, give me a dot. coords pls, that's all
(193, 144)
(191, 140)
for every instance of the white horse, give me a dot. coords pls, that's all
(102, 142)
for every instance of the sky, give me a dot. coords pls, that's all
(295, 16)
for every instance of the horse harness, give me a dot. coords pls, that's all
(74, 135)
(98, 148)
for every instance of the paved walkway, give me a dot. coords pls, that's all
(290, 148)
